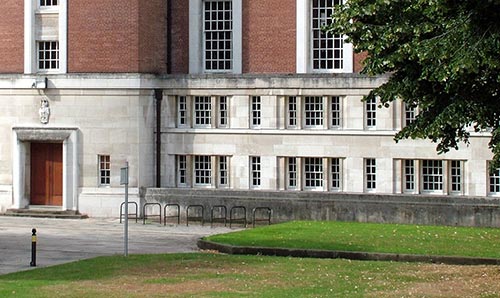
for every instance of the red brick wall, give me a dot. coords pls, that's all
(269, 36)
(180, 36)
(12, 37)
(358, 61)
(104, 36)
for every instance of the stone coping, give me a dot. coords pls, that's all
(351, 255)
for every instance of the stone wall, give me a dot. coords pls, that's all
(286, 206)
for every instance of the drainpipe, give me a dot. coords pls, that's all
(159, 98)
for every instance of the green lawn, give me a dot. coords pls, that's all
(369, 237)
(214, 275)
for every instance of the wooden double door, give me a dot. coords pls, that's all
(46, 174)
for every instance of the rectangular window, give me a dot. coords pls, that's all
(202, 170)
(327, 48)
(223, 112)
(292, 111)
(495, 182)
(336, 174)
(181, 111)
(370, 174)
(371, 113)
(202, 111)
(255, 168)
(409, 114)
(292, 172)
(48, 55)
(409, 175)
(104, 170)
(432, 175)
(181, 170)
(223, 171)
(218, 35)
(456, 176)
(313, 173)
(313, 110)
(335, 112)
(256, 111)
(48, 2)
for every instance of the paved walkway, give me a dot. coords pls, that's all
(66, 240)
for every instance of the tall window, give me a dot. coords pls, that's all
(202, 170)
(456, 176)
(223, 171)
(181, 170)
(495, 182)
(202, 111)
(370, 174)
(313, 109)
(409, 114)
(313, 172)
(223, 112)
(409, 175)
(181, 111)
(292, 111)
(432, 175)
(371, 113)
(104, 170)
(292, 173)
(327, 48)
(336, 174)
(48, 2)
(256, 111)
(255, 174)
(218, 35)
(335, 112)
(48, 55)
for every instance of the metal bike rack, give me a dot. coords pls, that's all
(178, 215)
(265, 209)
(128, 215)
(242, 219)
(144, 209)
(222, 212)
(196, 217)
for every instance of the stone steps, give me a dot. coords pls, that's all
(44, 213)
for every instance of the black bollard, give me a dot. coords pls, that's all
(33, 248)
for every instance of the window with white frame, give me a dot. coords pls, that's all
(202, 111)
(336, 174)
(48, 3)
(409, 114)
(327, 48)
(182, 115)
(494, 184)
(432, 175)
(292, 112)
(223, 171)
(223, 112)
(313, 173)
(104, 162)
(371, 113)
(313, 111)
(335, 112)
(48, 55)
(218, 35)
(456, 176)
(202, 170)
(255, 171)
(370, 174)
(409, 175)
(256, 111)
(182, 172)
(292, 173)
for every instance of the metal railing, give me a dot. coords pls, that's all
(145, 215)
(129, 213)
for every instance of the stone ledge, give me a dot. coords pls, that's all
(351, 255)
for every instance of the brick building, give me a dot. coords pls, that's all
(250, 99)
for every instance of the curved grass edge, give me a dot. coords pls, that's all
(351, 255)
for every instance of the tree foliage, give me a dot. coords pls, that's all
(443, 57)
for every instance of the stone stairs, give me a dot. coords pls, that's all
(44, 212)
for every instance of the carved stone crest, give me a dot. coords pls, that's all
(44, 111)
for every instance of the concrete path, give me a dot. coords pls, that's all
(66, 240)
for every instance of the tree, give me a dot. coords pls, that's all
(443, 56)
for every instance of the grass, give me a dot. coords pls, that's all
(369, 237)
(213, 275)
